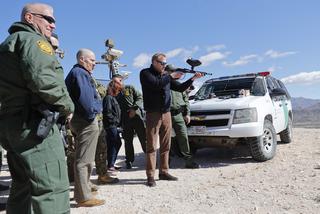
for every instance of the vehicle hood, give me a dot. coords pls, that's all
(229, 103)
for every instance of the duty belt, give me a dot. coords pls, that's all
(175, 112)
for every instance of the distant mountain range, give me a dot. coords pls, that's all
(306, 112)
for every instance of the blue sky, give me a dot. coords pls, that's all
(229, 37)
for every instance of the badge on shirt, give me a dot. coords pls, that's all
(45, 47)
(127, 92)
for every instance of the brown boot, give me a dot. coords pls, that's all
(151, 182)
(105, 179)
(91, 203)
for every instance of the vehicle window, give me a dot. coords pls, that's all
(270, 84)
(275, 82)
(258, 88)
(231, 88)
(284, 88)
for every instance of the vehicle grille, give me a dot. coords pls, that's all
(217, 112)
(214, 118)
(209, 123)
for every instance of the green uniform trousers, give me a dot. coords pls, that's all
(130, 126)
(38, 168)
(101, 151)
(181, 138)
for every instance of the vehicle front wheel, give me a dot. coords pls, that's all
(263, 148)
(286, 135)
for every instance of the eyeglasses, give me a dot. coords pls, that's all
(49, 19)
(162, 63)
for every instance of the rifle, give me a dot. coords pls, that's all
(192, 62)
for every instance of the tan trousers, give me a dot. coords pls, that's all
(158, 126)
(86, 139)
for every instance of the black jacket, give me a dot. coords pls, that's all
(111, 112)
(156, 89)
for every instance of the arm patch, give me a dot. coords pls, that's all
(45, 47)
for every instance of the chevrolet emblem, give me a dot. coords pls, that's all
(199, 118)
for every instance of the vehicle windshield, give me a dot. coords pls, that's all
(231, 88)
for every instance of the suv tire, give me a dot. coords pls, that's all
(286, 135)
(263, 148)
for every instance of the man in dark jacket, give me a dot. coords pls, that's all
(30, 77)
(84, 125)
(156, 85)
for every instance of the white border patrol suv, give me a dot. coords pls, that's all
(249, 108)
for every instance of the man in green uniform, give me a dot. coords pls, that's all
(130, 101)
(30, 77)
(180, 116)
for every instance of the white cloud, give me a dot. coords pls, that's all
(211, 57)
(303, 78)
(242, 61)
(183, 52)
(142, 60)
(216, 47)
(175, 52)
(274, 68)
(275, 54)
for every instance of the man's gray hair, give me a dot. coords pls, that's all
(156, 56)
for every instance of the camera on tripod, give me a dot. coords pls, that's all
(111, 58)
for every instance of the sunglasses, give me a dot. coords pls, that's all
(49, 19)
(162, 63)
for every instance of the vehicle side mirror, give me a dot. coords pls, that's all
(191, 97)
(278, 92)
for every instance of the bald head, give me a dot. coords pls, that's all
(87, 59)
(40, 16)
(35, 8)
(84, 53)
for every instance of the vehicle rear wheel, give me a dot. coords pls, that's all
(263, 148)
(286, 135)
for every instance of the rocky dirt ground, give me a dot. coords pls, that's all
(227, 182)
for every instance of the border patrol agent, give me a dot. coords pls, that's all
(180, 116)
(32, 76)
(130, 101)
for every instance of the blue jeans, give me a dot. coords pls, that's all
(113, 145)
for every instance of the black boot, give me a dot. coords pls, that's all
(190, 164)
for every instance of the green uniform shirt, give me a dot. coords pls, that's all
(102, 92)
(130, 98)
(180, 100)
(30, 73)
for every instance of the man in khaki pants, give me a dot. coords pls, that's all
(84, 125)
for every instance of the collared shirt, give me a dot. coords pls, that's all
(83, 93)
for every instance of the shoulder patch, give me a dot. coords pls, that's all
(45, 47)
(127, 92)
